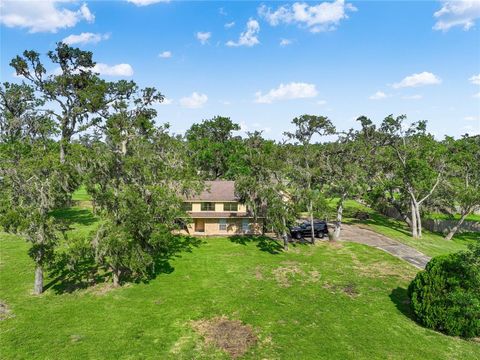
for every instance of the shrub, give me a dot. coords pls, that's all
(446, 295)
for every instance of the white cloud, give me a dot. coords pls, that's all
(322, 102)
(317, 18)
(413, 97)
(203, 37)
(457, 13)
(229, 25)
(472, 118)
(475, 79)
(42, 16)
(165, 54)
(285, 42)
(146, 2)
(249, 36)
(287, 92)
(379, 95)
(420, 79)
(85, 38)
(122, 70)
(222, 11)
(477, 95)
(194, 101)
(166, 101)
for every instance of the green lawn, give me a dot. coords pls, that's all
(470, 217)
(331, 301)
(81, 194)
(431, 244)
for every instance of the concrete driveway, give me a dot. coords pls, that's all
(361, 235)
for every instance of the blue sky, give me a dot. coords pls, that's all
(263, 63)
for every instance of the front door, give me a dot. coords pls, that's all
(199, 225)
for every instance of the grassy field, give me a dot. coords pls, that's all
(431, 244)
(470, 217)
(331, 301)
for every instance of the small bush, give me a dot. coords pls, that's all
(446, 295)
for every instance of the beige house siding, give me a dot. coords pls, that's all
(197, 206)
(234, 227)
(218, 219)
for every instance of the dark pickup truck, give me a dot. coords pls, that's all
(305, 229)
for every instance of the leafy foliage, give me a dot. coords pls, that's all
(446, 296)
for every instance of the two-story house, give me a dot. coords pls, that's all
(216, 211)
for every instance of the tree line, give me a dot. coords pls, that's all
(69, 128)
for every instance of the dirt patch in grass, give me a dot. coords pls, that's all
(231, 336)
(258, 273)
(5, 311)
(349, 289)
(76, 338)
(284, 275)
(291, 271)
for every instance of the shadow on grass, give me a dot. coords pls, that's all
(399, 297)
(466, 237)
(264, 243)
(75, 215)
(69, 276)
(380, 220)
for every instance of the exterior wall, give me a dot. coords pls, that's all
(242, 207)
(234, 227)
(196, 206)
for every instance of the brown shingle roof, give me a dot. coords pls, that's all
(218, 190)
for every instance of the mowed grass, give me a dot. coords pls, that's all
(470, 217)
(431, 244)
(330, 301)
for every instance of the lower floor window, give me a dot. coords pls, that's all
(245, 225)
(222, 224)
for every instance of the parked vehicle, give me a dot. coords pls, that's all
(305, 229)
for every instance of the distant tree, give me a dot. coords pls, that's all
(20, 118)
(31, 176)
(306, 171)
(264, 186)
(213, 148)
(413, 163)
(75, 89)
(346, 168)
(461, 189)
(259, 158)
(136, 178)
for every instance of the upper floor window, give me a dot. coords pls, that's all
(187, 206)
(208, 206)
(230, 206)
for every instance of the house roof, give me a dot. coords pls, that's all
(218, 190)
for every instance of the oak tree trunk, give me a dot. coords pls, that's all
(38, 284)
(414, 219)
(419, 220)
(284, 235)
(338, 222)
(116, 277)
(454, 229)
(311, 223)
